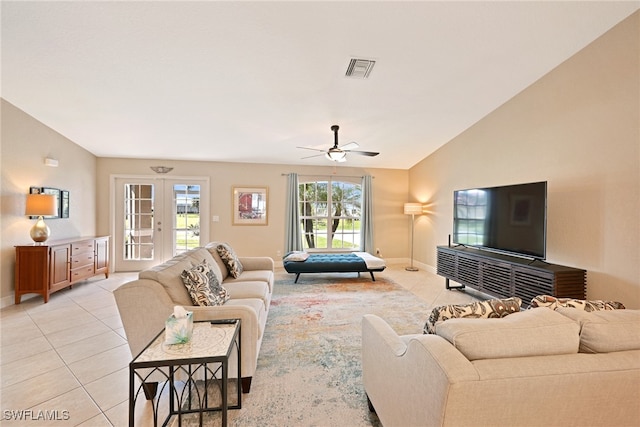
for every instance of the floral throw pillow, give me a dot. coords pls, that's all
(203, 285)
(493, 308)
(586, 305)
(230, 259)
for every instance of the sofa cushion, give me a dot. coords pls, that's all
(203, 285)
(265, 276)
(606, 331)
(535, 332)
(230, 259)
(212, 248)
(480, 309)
(586, 305)
(168, 275)
(243, 290)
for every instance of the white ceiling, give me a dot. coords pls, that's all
(251, 81)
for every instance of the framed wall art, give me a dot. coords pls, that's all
(64, 204)
(249, 205)
(61, 195)
(46, 190)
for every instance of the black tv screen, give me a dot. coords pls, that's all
(511, 218)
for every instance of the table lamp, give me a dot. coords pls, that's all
(41, 205)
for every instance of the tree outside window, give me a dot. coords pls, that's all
(330, 214)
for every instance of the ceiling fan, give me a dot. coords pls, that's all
(337, 153)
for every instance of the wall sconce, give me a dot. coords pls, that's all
(41, 205)
(51, 162)
(412, 209)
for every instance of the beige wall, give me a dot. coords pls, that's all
(577, 128)
(389, 193)
(25, 144)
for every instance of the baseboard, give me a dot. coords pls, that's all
(7, 301)
(11, 299)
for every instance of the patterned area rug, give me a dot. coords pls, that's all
(309, 369)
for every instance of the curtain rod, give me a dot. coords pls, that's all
(340, 176)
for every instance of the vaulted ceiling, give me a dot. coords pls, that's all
(252, 81)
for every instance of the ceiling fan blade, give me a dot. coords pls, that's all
(365, 153)
(349, 146)
(314, 149)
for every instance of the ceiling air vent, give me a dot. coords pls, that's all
(360, 68)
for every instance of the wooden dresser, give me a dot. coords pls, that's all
(58, 264)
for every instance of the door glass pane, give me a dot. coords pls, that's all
(138, 222)
(186, 205)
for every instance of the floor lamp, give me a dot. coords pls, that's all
(412, 209)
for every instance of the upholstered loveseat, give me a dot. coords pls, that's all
(563, 367)
(146, 303)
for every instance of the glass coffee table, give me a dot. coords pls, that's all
(188, 370)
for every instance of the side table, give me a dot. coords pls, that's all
(205, 357)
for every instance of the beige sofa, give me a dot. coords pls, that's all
(537, 367)
(146, 303)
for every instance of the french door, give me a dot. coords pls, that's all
(157, 218)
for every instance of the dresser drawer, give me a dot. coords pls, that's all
(81, 273)
(81, 260)
(82, 246)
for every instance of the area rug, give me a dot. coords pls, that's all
(309, 369)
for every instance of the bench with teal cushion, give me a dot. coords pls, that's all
(332, 263)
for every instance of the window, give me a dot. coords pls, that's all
(138, 221)
(330, 214)
(186, 202)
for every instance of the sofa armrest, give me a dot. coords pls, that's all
(257, 263)
(407, 379)
(250, 329)
(144, 306)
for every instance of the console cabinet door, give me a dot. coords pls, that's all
(102, 256)
(32, 271)
(60, 273)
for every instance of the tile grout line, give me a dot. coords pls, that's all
(66, 365)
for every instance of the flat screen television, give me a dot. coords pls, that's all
(510, 218)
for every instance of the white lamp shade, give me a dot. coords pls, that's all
(41, 205)
(336, 155)
(413, 208)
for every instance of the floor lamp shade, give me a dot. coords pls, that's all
(41, 205)
(412, 209)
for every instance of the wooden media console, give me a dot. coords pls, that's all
(505, 276)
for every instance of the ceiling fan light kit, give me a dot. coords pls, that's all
(339, 154)
(336, 155)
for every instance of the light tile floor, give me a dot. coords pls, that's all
(68, 359)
